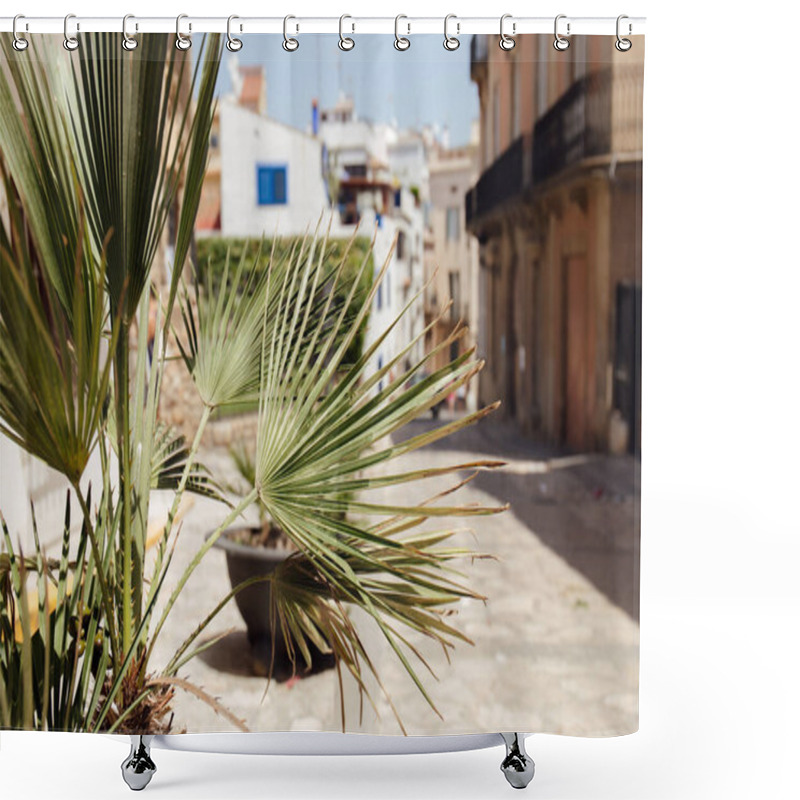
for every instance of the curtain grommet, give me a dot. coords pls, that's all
(182, 41)
(507, 42)
(19, 44)
(560, 43)
(289, 44)
(129, 43)
(623, 45)
(451, 43)
(233, 44)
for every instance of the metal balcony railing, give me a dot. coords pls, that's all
(599, 114)
(504, 180)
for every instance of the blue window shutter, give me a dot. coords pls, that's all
(272, 185)
(279, 185)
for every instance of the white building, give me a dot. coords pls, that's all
(266, 177)
(378, 179)
(271, 176)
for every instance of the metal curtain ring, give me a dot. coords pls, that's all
(623, 45)
(345, 42)
(182, 42)
(289, 44)
(451, 42)
(400, 42)
(19, 43)
(70, 42)
(128, 42)
(506, 42)
(233, 44)
(560, 42)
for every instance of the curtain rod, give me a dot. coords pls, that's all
(406, 26)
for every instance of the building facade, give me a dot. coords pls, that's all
(451, 259)
(378, 181)
(271, 176)
(557, 214)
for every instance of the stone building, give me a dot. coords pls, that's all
(451, 256)
(557, 214)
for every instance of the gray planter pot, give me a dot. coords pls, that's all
(254, 601)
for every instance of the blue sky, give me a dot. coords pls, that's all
(423, 85)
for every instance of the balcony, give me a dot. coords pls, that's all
(503, 182)
(598, 114)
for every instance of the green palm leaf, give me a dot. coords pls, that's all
(323, 434)
(168, 464)
(54, 367)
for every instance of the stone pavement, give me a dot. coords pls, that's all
(556, 644)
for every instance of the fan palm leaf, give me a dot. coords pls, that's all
(325, 433)
(54, 364)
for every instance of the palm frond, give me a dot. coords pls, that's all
(53, 643)
(54, 367)
(134, 133)
(169, 462)
(322, 435)
(222, 350)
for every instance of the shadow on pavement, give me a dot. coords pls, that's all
(233, 655)
(584, 507)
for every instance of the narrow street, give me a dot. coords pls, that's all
(559, 628)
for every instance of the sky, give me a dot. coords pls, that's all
(425, 84)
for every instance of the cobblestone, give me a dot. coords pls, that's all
(555, 645)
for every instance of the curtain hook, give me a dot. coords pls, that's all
(345, 42)
(451, 42)
(506, 42)
(289, 44)
(623, 45)
(182, 42)
(19, 43)
(233, 44)
(560, 42)
(401, 42)
(128, 42)
(70, 42)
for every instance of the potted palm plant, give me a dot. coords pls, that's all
(97, 149)
(252, 552)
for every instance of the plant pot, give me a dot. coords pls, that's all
(253, 602)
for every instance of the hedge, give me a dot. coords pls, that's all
(212, 252)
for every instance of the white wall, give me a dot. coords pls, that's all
(25, 480)
(247, 140)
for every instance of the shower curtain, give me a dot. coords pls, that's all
(320, 383)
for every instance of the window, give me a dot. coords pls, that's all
(453, 223)
(272, 185)
(455, 309)
(401, 246)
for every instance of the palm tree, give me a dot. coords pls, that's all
(95, 149)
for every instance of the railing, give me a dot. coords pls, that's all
(501, 182)
(597, 115)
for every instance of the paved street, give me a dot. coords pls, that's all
(556, 645)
